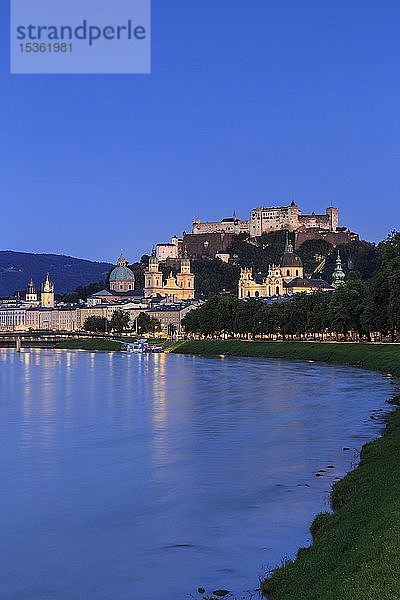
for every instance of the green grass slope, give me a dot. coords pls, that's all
(356, 550)
(90, 344)
(382, 357)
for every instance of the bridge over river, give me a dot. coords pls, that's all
(49, 339)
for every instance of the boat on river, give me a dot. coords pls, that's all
(143, 347)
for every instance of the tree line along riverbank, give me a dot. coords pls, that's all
(355, 549)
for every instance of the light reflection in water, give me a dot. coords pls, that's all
(116, 467)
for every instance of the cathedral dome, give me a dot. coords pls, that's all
(122, 272)
(290, 259)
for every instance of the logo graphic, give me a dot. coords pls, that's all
(80, 36)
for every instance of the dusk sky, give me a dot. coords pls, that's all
(248, 104)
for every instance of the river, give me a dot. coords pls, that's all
(129, 477)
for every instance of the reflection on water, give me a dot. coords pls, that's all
(122, 473)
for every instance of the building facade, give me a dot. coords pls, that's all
(269, 219)
(170, 251)
(171, 315)
(180, 287)
(284, 279)
(231, 225)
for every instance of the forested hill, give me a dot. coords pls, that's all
(213, 276)
(17, 268)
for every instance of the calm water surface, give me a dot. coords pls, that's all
(144, 477)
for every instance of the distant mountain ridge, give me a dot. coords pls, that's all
(67, 272)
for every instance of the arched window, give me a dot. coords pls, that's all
(248, 294)
(269, 290)
(257, 294)
(188, 283)
(277, 290)
(297, 272)
(288, 273)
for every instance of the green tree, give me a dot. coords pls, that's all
(347, 307)
(120, 320)
(214, 277)
(83, 292)
(146, 324)
(96, 324)
(312, 252)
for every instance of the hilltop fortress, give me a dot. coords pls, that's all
(211, 239)
(264, 220)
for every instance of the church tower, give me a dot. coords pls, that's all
(339, 276)
(185, 279)
(291, 264)
(47, 295)
(31, 294)
(153, 277)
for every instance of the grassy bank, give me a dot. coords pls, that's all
(89, 344)
(382, 357)
(355, 552)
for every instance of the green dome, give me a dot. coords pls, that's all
(185, 262)
(122, 272)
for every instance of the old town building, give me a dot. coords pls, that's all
(286, 278)
(179, 287)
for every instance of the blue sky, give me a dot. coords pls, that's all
(249, 103)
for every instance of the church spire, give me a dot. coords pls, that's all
(339, 276)
(288, 245)
(48, 285)
(153, 258)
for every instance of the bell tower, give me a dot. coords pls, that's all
(338, 276)
(153, 277)
(47, 295)
(31, 294)
(185, 279)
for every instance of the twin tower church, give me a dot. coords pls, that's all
(179, 287)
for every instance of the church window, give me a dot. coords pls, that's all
(277, 290)
(248, 294)
(188, 283)
(257, 294)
